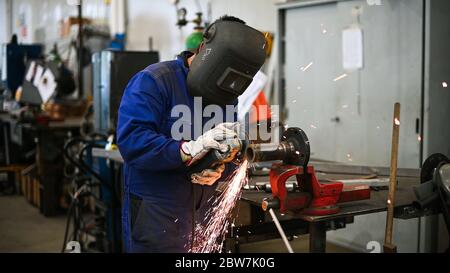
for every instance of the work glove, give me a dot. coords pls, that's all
(194, 150)
(208, 176)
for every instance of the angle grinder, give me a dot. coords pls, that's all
(214, 157)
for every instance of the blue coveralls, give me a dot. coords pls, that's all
(154, 173)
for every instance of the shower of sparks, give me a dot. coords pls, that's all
(306, 67)
(397, 121)
(344, 106)
(340, 77)
(209, 237)
(294, 101)
(444, 84)
(312, 126)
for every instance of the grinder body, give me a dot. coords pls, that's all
(215, 157)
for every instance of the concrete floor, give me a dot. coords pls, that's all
(299, 245)
(24, 229)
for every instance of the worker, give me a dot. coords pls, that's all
(159, 209)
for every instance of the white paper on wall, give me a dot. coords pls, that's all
(352, 48)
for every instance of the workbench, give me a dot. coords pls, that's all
(46, 142)
(50, 161)
(261, 227)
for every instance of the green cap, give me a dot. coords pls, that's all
(194, 40)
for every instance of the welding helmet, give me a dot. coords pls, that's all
(225, 66)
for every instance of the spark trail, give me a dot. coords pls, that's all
(209, 237)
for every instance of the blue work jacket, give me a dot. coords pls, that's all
(153, 168)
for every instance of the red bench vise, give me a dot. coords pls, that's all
(310, 197)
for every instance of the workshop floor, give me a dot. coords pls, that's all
(24, 229)
(299, 245)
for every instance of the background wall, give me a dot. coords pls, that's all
(157, 19)
(38, 21)
(437, 103)
(34, 21)
(258, 14)
(4, 22)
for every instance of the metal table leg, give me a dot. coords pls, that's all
(232, 245)
(317, 237)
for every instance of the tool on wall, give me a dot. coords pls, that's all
(193, 41)
(388, 246)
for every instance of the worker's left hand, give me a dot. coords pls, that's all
(208, 176)
(194, 150)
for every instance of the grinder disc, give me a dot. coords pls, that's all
(300, 141)
(431, 163)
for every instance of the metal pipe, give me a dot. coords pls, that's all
(80, 49)
(281, 231)
(292, 150)
(269, 151)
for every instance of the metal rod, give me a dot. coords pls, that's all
(388, 245)
(281, 231)
(80, 49)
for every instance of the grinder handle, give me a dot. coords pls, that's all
(207, 162)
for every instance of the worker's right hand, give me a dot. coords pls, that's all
(194, 150)
(209, 176)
